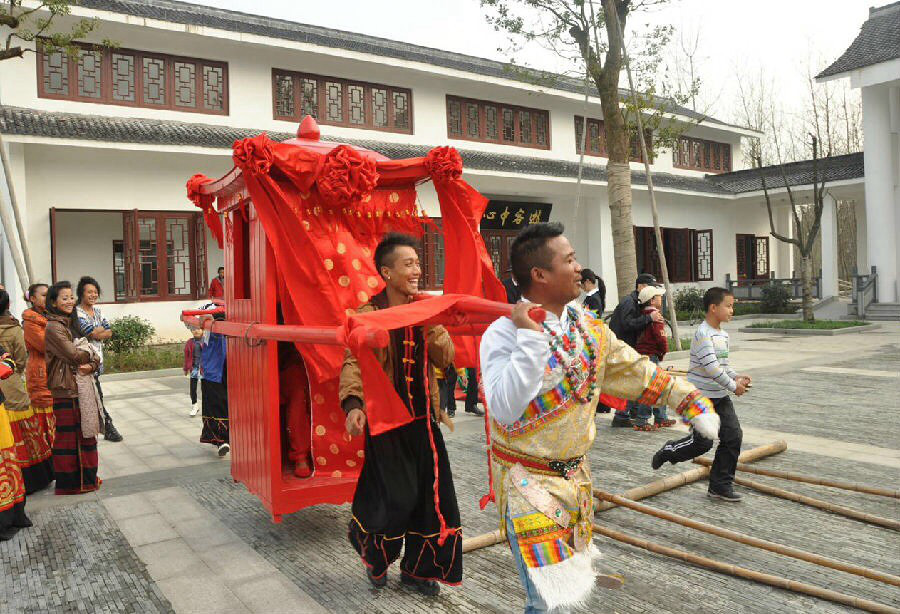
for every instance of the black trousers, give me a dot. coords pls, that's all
(448, 389)
(194, 381)
(471, 389)
(724, 465)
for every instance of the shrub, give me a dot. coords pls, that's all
(775, 299)
(689, 299)
(129, 334)
(167, 356)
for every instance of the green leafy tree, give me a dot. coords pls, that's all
(588, 34)
(25, 26)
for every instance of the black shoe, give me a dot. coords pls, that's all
(429, 588)
(8, 533)
(660, 458)
(603, 409)
(23, 522)
(726, 495)
(475, 410)
(451, 413)
(376, 582)
(619, 421)
(110, 433)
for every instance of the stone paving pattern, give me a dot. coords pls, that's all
(129, 548)
(75, 559)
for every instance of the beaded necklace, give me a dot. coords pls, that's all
(564, 348)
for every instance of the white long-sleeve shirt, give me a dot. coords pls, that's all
(512, 365)
(709, 369)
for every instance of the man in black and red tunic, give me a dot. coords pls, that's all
(395, 503)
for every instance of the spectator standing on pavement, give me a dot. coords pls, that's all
(74, 455)
(96, 329)
(217, 285)
(214, 388)
(627, 322)
(594, 292)
(193, 350)
(33, 451)
(35, 325)
(653, 343)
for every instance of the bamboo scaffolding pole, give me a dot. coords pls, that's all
(799, 477)
(849, 512)
(748, 540)
(689, 477)
(747, 574)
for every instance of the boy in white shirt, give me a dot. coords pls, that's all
(710, 372)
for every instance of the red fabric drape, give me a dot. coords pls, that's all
(205, 202)
(323, 216)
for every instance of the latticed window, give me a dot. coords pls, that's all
(431, 257)
(701, 155)
(478, 120)
(595, 145)
(689, 253)
(134, 78)
(342, 103)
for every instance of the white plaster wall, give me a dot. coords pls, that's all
(250, 92)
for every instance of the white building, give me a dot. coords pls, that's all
(101, 148)
(872, 62)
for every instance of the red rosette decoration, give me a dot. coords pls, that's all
(205, 202)
(444, 163)
(253, 155)
(346, 177)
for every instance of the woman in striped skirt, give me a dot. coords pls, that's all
(74, 455)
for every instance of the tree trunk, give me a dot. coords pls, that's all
(806, 277)
(618, 171)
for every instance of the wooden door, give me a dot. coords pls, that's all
(746, 258)
(130, 250)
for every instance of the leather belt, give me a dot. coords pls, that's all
(562, 468)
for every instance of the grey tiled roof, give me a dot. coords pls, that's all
(878, 41)
(835, 168)
(20, 121)
(233, 21)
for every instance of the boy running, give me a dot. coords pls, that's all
(710, 372)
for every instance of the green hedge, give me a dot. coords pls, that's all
(147, 358)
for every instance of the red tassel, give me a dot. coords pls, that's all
(445, 532)
(491, 496)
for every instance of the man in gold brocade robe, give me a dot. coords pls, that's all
(542, 382)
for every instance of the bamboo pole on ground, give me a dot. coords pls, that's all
(849, 512)
(748, 540)
(748, 574)
(799, 477)
(689, 477)
(481, 541)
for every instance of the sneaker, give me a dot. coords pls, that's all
(195, 409)
(429, 588)
(111, 433)
(619, 421)
(451, 413)
(475, 410)
(728, 495)
(660, 458)
(224, 449)
(376, 582)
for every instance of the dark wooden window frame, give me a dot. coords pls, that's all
(749, 262)
(715, 156)
(196, 230)
(106, 81)
(369, 123)
(482, 128)
(601, 150)
(681, 270)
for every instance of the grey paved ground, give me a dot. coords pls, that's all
(170, 531)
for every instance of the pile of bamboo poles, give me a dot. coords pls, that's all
(630, 497)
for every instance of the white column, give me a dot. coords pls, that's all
(784, 251)
(880, 163)
(602, 256)
(829, 247)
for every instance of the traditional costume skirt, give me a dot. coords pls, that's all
(33, 432)
(12, 486)
(74, 456)
(215, 413)
(394, 506)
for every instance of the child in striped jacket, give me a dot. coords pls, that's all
(711, 373)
